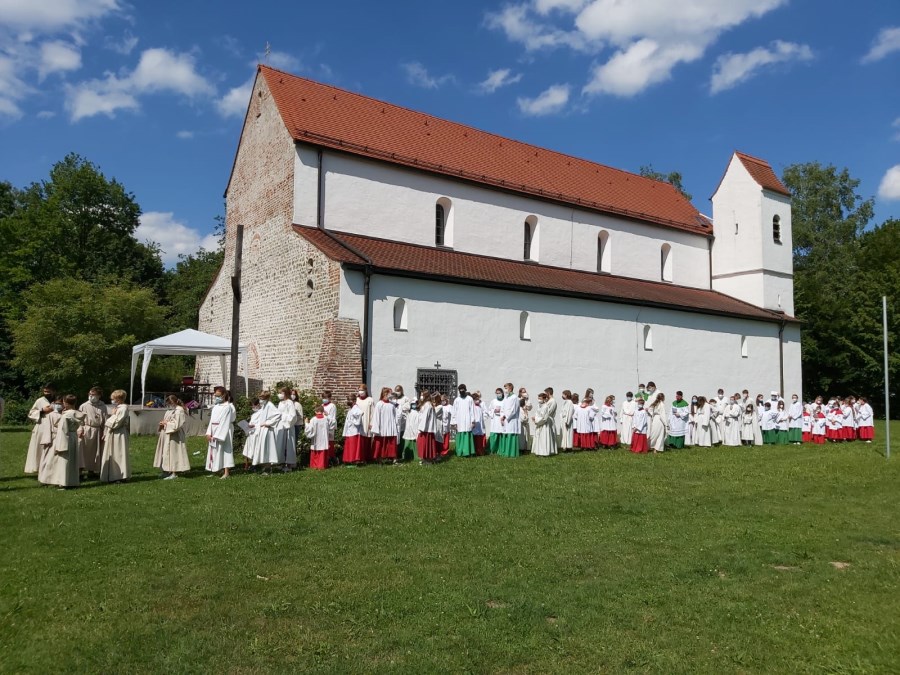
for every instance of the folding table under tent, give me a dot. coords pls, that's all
(188, 342)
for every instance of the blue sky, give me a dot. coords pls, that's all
(154, 92)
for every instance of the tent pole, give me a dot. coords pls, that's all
(236, 307)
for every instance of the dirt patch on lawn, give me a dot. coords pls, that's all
(839, 565)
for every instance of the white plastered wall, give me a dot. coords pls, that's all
(574, 343)
(376, 199)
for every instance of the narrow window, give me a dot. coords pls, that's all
(603, 258)
(527, 254)
(524, 326)
(648, 339)
(665, 262)
(776, 229)
(310, 287)
(439, 223)
(443, 222)
(400, 315)
(744, 351)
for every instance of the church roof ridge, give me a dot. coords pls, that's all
(363, 125)
(441, 264)
(762, 172)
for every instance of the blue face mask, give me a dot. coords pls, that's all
(217, 400)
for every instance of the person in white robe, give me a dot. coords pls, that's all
(627, 425)
(298, 421)
(552, 409)
(462, 417)
(566, 412)
(679, 412)
(704, 423)
(384, 428)
(42, 431)
(511, 421)
(60, 464)
(220, 451)
(732, 416)
(757, 431)
(715, 428)
(331, 413)
(795, 421)
(719, 404)
(426, 441)
(251, 436)
(403, 408)
(115, 467)
(367, 406)
(352, 452)
(865, 419)
(609, 423)
(478, 431)
(639, 429)
(410, 432)
(545, 443)
(658, 413)
(583, 417)
(525, 431)
(90, 448)
(263, 424)
(748, 420)
(496, 427)
(316, 430)
(171, 448)
(285, 440)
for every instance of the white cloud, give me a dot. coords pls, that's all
(173, 236)
(550, 101)
(732, 69)
(501, 77)
(889, 188)
(282, 61)
(12, 90)
(53, 15)
(417, 75)
(57, 57)
(46, 115)
(234, 102)
(649, 38)
(887, 42)
(158, 70)
(184, 135)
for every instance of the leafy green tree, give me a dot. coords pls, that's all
(673, 178)
(186, 286)
(828, 217)
(79, 334)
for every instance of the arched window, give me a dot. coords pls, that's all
(744, 350)
(648, 338)
(443, 222)
(776, 229)
(524, 326)
(400, 314)
(603, 258)
(665, 262)
(530, 239)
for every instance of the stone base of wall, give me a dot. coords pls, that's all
(339, 367)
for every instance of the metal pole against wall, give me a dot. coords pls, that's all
(236, 308)
(887, 387)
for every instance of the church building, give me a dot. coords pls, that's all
(388, 246)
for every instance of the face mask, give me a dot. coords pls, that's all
(280, 397)
(525, 397)
(398, 394)
(94, 399)
(217, 400)
(499, 395)
(324, 401)
(57, 407)
(693, 400)
(293, 397)
(652, 389)
(256, 408)
(794, 400)
(462, 392)
(628, 398)
(361, 392)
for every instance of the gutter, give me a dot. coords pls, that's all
(367, 267)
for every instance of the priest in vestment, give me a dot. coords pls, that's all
(678, 421)
(544, 428)
(657, 412)
(90, 448)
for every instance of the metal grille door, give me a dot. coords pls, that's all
(437, 380)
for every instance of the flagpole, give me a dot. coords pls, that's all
(887, 396)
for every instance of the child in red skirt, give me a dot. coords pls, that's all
(317, 429)
(639, 434)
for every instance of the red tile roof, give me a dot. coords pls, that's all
(324, 115)
(762, 173)
(401, 259)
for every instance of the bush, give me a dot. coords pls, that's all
(16, 412)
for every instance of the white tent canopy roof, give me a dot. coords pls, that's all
(187, 342)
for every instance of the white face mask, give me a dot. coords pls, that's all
(293, 397)
(57, 407)
(280, 397)
(94, 399)
(217, 400)
(361, 392)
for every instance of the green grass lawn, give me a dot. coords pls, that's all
(715, 560)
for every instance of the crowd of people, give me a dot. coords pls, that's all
(93, 439)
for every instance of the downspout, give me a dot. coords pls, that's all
(781, 353)
(367, 268)
(709, 245)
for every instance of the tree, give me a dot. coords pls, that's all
(828, 217)
(79, 334)
(673, 178)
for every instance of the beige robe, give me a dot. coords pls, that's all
(171, 448)
(60, 463)
(90, 445)
(40, 435)
(116, 465)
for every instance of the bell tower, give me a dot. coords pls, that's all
(752, 256)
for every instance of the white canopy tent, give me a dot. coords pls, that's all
(186, 343)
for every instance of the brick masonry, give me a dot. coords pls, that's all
(289, 313)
